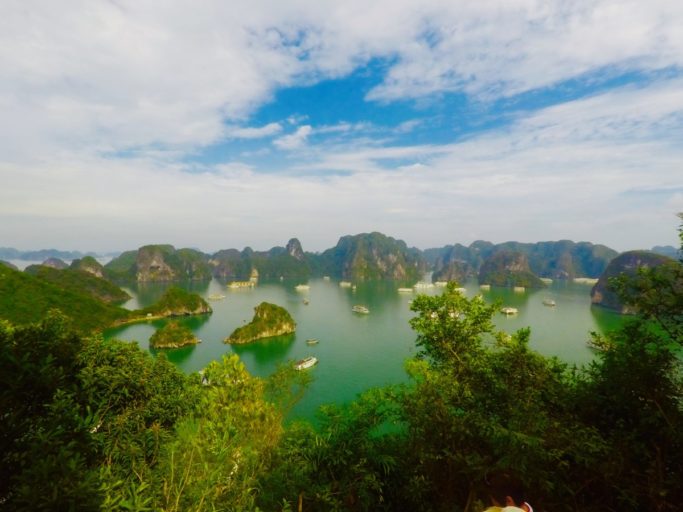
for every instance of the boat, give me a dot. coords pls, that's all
(360, 309)
(440, 284)
(216, 296)
(345, 284)
(485, 287)
(312, 341)
(241, 284)
(306, 302)
(306, 362)
(302, 287)
(423, 285)
(405, 290)
(509, 311)
(549, 302)
(519, 289)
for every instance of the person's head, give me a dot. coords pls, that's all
(504, 488)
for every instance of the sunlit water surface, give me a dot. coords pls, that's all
(358, 351)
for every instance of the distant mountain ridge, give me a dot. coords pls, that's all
(354, 257)
(563, 259)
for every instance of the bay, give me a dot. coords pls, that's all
(358, 351)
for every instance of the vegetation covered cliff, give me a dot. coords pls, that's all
(159, 263)
(79, 280)
(177, 302)
(269, 320)
(371, 256)
(508, 268)
(605, 294)
(562, 259)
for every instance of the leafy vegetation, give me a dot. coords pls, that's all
(27, 299)
(80, 282)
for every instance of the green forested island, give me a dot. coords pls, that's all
(95, 424)
(269, 320)
(172, 335)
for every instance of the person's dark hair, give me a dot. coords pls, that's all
(502, 483)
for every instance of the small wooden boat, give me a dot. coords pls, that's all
(360, 309)
(312, 341)
(305, 363)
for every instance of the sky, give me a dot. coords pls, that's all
(221, 124)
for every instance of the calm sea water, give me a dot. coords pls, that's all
(357, 351)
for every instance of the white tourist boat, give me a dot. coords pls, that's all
(302, 287)
(312, 341)
(405, 290)
(549, 302)
(360, 309)
(345, 284)
(305, 363)
(507, 310)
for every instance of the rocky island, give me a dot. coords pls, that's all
(269, 320)
(509, 268)
(626, 263)
(176, 302)
(173, 335)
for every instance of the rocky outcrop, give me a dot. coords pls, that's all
(177, 302)
(372, 256)
(55, 263)
(294, 249)
(172, 335)
(88, 264)
(159, 263)
(269, 320)
(562, 259)
(602, 294)
(457, 271)
(509, 269)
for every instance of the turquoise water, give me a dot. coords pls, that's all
(359, 351)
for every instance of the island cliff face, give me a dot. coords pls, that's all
(563, 259)
(269, 320)
(159, 263)
(626, 263)
(508, 268)
(372, 256)
(88, 264)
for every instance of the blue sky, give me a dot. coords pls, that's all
(125, 123)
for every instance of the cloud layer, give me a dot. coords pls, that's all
(103, 105)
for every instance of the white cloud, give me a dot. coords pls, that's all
(267, 130)
(294, 140)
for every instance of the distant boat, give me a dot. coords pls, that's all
(241, 284)
(305, 363)
(423, 285)
(307, 302)
(216, 296)
(312, 341)
(519, 289)
(345, 284)
(405, 290)
(509, 311)
(302, 287)
(360, 309)
(440, 284)
(484, 286)
(549, 302)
